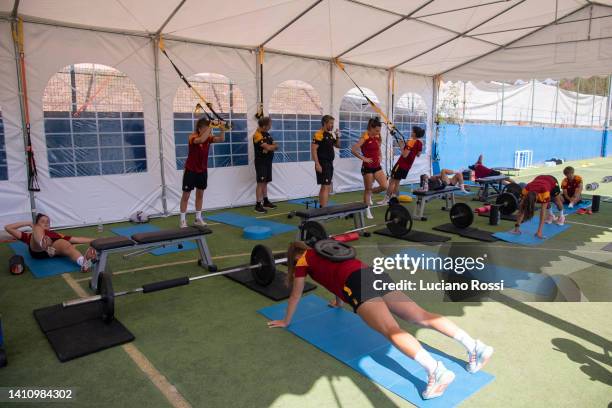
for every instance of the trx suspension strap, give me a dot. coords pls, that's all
(32, 173)
(392, 129)
(195, 91)
(260, 105)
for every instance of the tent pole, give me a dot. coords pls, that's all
(22, 96)
(604, 143)
(532, 100)
(556, 102)
(577, 97)
(160, 138)
(433, 124)
(501, 116)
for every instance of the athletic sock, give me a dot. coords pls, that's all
(183, 215)
(468, 342)
(426, 360)
(561, 213)
(81, 260)
(199, 215)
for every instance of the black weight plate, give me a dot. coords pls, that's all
(514, 189)
(507, 202)
(461, 215)
(398, 220)
(335, 251)
(105, 286)
(263, 275)
(313, 231)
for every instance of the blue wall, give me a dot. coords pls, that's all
(461, 145)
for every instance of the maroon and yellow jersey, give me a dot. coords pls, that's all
(26, 236)
(197, 157)
(545, 188)
(571, 185)
(370, 148)
(416, 147)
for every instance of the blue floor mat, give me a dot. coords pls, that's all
(524, 281)
(43, 268)
(346, 337)
(241, 221)
(530, 227)
(140, 228)
(302, 201)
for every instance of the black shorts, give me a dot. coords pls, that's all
(369, 170)
(325, 177)
(359, 287)
(193, 180)
(38, 255)
(263, 171)
(398, 173)
(556, 189)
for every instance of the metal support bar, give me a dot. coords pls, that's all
(165, 23)
(296, 18)
(160, 138)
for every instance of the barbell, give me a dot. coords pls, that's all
(397, 219)
(262, 266)
(461, 215)
(508, 201)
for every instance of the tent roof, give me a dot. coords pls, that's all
(427, 37)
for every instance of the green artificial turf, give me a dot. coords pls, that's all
(209, 342)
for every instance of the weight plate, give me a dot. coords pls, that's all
(105, 286)
(334, 251)
(263, 275)
(514, 189)
(313, 231)
(398, 220)
(507, 202)
(461, 215)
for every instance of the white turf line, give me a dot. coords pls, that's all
(158, 379)
(588, 225)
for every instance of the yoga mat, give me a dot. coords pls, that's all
(43, 268)
(140, 228)
(302, 201)
(242, 221)
(518, 279)
(344, 336)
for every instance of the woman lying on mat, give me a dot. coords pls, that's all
(447, 177)
(43, 243)
(352, 282)
(367, 149)
(542, 189)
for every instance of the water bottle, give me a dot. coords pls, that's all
(100, 226)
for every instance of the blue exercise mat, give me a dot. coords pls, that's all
(568, 211)
(524, 281)
(346, 337)
(303, 201)
(140, 228)
(43, 268)
(242, 221)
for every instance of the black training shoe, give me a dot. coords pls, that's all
(260, 209)
(268, 204)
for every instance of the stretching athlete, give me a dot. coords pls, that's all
(352, 282)
(43, 243)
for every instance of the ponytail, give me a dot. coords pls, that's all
(527, 206)
(295, 250)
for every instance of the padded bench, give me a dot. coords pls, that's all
(495, 183)
(147, 241)
(447, 193)
(354, 210)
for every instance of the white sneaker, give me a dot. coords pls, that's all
(479, 357)
(370, 202)
(550, 218)
(183, 224)
(570, 205)
(86, 265)
(369, 215)
(438, 381)
(561, 220)
(200, 223)
(384, 201)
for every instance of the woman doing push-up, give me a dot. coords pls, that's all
(43, 243)
(352, 281)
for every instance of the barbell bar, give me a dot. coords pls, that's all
(397, 219)
(262, 267)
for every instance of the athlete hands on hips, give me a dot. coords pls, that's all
(352, 281)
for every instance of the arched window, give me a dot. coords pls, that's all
(94, 123)
(295, 110)
(355, 111)
(3, 163)
(228, 101)
(410, 110)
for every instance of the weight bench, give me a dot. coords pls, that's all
(354, 210)
(447, 194)
(487, 184)
(144, 242)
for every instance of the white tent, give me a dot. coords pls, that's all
(390, 47)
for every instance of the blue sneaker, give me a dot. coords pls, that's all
(479, 357)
